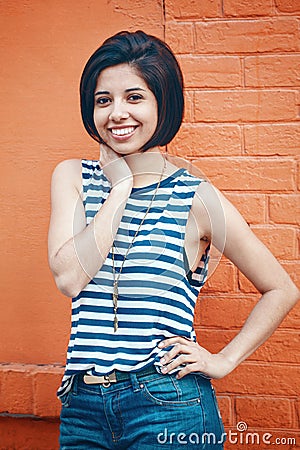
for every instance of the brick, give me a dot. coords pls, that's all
(244, 8)
(280, 240)
(94, 24)
(293, 269)
(225, 407)
(214, 340)
(272, 139)
(288, 6)
(46, 403)
(272, 71)
(213, 311)
(264, 412)
(282, 346)
(138, 14)
(211, 71)
(28, 434)
(29, 389)
(247, 36)
(285, 208)
(261, 379)
(297, 421)
(188, 106)
(245, 285)
(222, 279)
(192, 9)
(249, 174)
(292, 319)
(245, 106)
(251, 206)
(194, 140)
(16, 390)
(180, 37)
(298, 174)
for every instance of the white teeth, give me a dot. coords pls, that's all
(122, 131)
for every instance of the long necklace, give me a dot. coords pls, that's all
(115, 294)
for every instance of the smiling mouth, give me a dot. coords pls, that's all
(122, 131)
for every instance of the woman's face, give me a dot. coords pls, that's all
(125, 111)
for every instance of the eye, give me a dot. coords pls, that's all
(102, 101)
(135, 97)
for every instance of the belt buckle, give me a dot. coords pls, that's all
(111, 378)
(105, 380)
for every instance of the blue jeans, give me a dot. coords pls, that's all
(148, 412)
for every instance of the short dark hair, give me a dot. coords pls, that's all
(155, 62)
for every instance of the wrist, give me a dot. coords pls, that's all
(122, 189)
(231, 361)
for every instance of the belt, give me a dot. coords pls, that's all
(115, 376)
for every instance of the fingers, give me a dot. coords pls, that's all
(115, 168)
(182, 359)
(189, 368)
(188, 356)
(190, 363)
(174, 340)
(175, 350)
(182, 353)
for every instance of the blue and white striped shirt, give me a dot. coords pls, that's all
(157, 294)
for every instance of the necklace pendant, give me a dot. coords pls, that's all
(115, 303)
(115, 323)
(115, 295)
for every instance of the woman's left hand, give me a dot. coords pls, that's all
(194, 357)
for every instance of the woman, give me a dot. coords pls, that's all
(129, 241)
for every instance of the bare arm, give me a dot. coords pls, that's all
(279, 295)
(76, 252)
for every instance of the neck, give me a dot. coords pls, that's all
(146, 167)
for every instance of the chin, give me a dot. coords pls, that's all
(126, 152)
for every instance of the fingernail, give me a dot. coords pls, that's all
(161, 344)
(164, 370)
(163, 360)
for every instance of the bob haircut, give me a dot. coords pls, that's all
(155, 63)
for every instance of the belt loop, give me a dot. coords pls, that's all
(135, 382)
(75, 384)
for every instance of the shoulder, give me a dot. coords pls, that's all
(68, 171)
(68, 166)
(208, 208)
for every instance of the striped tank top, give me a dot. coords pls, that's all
(157, 292)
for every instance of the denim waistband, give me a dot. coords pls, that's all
(125, 376)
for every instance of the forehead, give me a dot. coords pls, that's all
(120, 77)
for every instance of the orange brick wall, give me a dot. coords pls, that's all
(241, 63)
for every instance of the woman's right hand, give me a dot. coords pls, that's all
(115, 167)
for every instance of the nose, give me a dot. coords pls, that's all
(119, 112)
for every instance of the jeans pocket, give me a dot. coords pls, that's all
(66, 399)
(167, 390)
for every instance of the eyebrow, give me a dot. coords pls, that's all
(126, 90)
